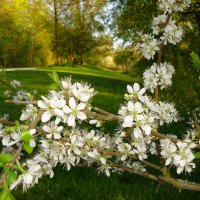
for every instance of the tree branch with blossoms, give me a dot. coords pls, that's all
(54, 130)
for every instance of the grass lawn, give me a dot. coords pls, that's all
(82, 183)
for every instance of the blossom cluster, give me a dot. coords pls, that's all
(164, 28)
(68, 104)
(172, 34)
(149, 46)
(158, 75)
(179, 154)
(169, 6)
(143, 116)
(18, 94)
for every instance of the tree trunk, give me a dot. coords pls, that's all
(126, 68)
(56, 31)
(2, 63)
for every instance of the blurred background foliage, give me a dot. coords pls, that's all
(98, 33)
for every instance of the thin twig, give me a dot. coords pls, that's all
(36, 120)
(8, 85)
(21, 102)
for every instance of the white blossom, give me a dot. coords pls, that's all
(166, 112)
(149, 46)
(82, 92)
(29, 178)
(158, 75)
(135, 92)
(168, 149)
(172, 33)
(21, 95)
(126, 149)
(29, 113)
(170, 6)
(53, 130)
(75, 111)
(158, 23)
(15, 83)
(184, 157)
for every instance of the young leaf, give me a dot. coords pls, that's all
(54, 86)
(28, 148)
(195, 60)
(50, 75)
(56, 78)
(5, 158)
(6, 194)
(26, 136)
(11, 177)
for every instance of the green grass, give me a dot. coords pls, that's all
(95, 72)
(80, 183)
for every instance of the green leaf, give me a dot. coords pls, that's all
(11, 177)
(6, 194)
(28, 148)
(5, 158)
(54, 86)
(195, 60)
(54, 76)
(15, 167)
(26, 136)
(50, 75)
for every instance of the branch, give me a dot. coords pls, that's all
(134, 157)
(105, 116)
(6, 122)
(162, 136)
(128, 169)
(177, 183)
(108, 117)
(36, 120)
(159, 56)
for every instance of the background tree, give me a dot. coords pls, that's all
(24, 37)
(124, 58)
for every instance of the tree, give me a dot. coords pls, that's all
(124, 58)
(129, 17)
(75, 24)
(24, 37)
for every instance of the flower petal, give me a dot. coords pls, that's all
(72, 102)
(71, 120)
(136, 87)
(67, 109)
(46, 116)
(81, 106)
(129, 89)
(81, 115)
(41, 104)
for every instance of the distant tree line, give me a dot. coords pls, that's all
(42, 32)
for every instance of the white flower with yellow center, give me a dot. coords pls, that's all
(75, 111)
